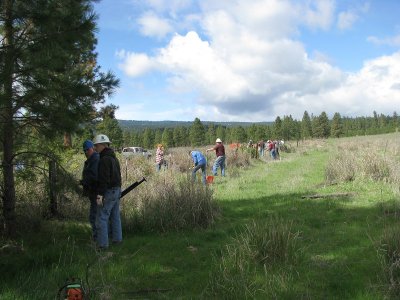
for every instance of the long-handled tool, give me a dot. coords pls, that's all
(131, 187)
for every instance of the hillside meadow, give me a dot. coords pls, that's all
(320, 223)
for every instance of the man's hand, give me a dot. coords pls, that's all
(99, 200)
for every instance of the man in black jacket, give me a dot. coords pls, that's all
(108, 193)
(89, 182)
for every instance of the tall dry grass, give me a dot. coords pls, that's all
(168, 200)
(366, 158)
(254, 253)
(388, 250)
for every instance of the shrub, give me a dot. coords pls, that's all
(238, 159)
(168, 204)
(247, 267)
(365, 161)
(269, 242)
(389, 253)
(341, 169)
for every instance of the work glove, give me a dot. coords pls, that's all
(99, 200)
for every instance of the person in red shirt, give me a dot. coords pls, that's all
(271, 148)
(220, 161)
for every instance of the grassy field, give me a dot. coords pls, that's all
(285, 230)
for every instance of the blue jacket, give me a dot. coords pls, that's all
(89, 173)
(198, 158)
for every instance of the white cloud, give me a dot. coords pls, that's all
(171, 6)
(391, 41)
(245, 63)
(153, 26)
(134, 64)
(346, 20)
(319, 13)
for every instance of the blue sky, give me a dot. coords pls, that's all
(250, 60)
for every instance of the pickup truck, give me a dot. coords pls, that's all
(135, 151)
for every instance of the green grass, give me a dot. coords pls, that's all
(337, 242)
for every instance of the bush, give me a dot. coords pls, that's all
(168, 204)
(248, 268)
(389, 252)
(341, 169)
(364, 161)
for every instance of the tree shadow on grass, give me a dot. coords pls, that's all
(339, 240)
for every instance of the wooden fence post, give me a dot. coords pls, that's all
(53, 188)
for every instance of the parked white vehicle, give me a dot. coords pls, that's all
(134, 151)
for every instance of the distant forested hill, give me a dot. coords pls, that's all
(141, 125)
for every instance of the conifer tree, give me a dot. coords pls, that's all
(157, 137)
(179, 136)
(111, 128)
(49, 79)
(395, 122)
(220, 133)
(322, 127)
(168, 137)
(197, 133)
(277, 128)
(210, 135)
(337, 125)
(251, 132)
(306, 127)
(148, 138)
(261, 134)
(238, 134)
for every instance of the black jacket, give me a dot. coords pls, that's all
(89, 174)
(109, 174)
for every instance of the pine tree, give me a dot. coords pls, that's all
(395, 122)
(337, 125)
(210, 135)
(221, 133)
(111, 128)
(157, 137)
(168, 137)
(306, 127)
(324, 125)
(287, 128)
(148, 138)
(197, 133)
(238, 134)
(251, 132)
(277, 128)
(260, 134)
(48, 73)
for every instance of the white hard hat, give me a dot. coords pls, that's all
(218, 140)
(101, 139)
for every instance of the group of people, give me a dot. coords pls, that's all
(271, 146)
(199, 160)
(101, 180)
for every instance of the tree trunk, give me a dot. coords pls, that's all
(53, 188)
(6, 122)
(67, 140)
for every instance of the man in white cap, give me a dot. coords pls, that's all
(108, 193)
(220, 161)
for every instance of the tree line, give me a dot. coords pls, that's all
(285, 128)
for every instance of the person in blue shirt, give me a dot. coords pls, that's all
(199, 162)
